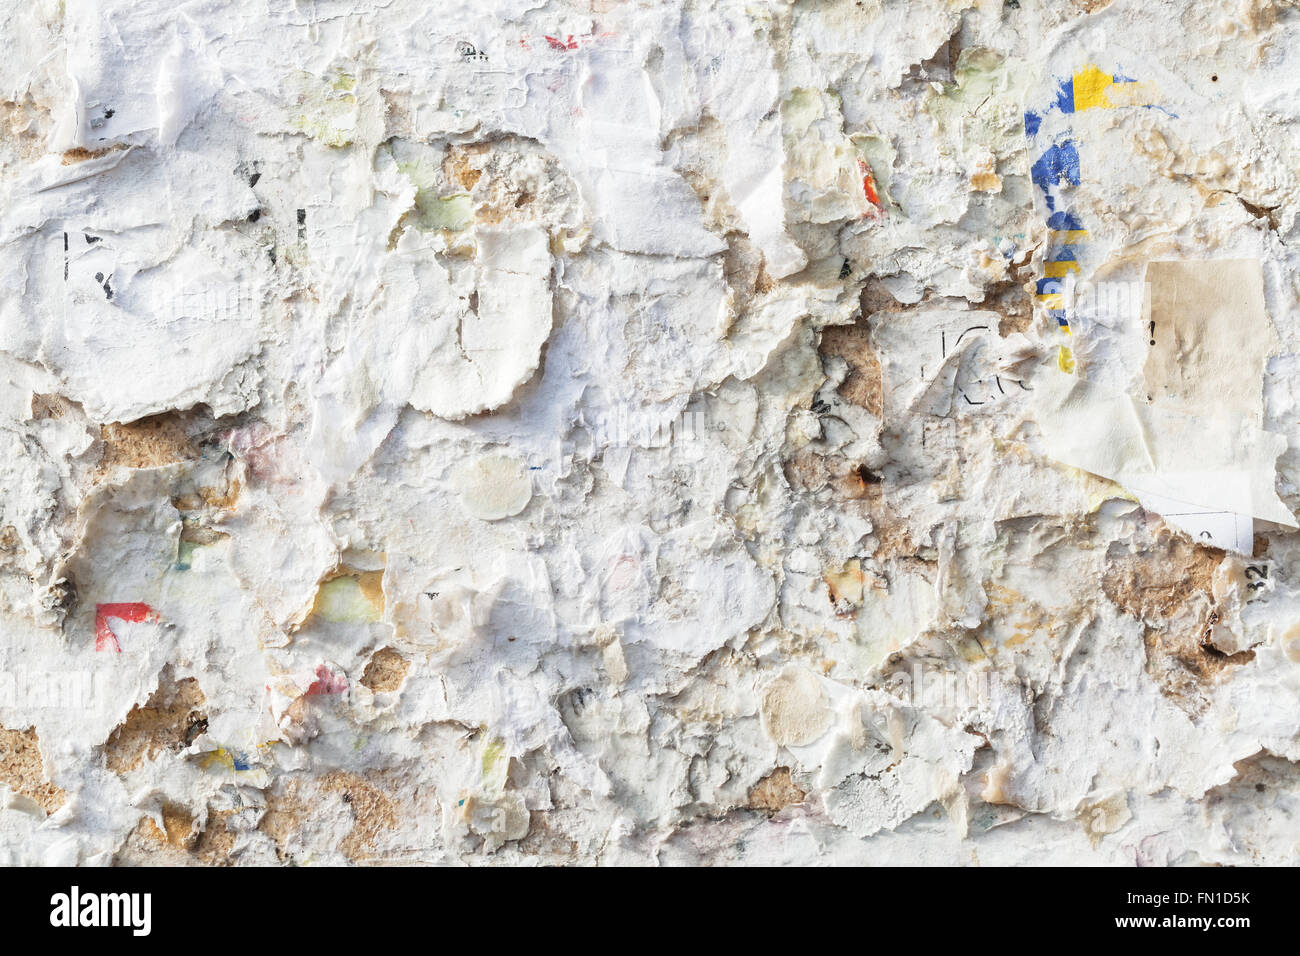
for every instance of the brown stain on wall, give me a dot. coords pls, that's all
(169, 721)
(1155, 582)
(148, 845)
(180, 841)
(178, 825)
(1012, 299)
(385, 671)
(462, 164)
(80, 154)
(178, 831)
(372, 808)
(775, 792)
(146, 443)
(863, 386)
(23, 769)
(285, 808)
(215, 846)
(1168, 586)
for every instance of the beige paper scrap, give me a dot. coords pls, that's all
(1210, 332)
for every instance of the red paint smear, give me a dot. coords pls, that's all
(869, 184)
(326, 683)
(133, 612)
(570, 42)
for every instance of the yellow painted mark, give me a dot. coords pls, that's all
(1090, 86)
(1095, 89)
(220, 757)
(1060, 268)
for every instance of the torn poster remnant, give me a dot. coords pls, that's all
(682, 433)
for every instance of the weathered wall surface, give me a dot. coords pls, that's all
(621, 432)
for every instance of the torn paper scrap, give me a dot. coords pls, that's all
(1219, 462)
(1209, 334)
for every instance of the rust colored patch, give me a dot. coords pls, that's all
(1025, 619)
(1183, 667)
(775, 792)
(179, 842)
(170, 720)
(806, 471)
(371, 584)
(385, 671)
(486, 171)
(208, 499)
(858, 481)
(22, 768)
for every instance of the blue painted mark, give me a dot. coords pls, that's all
(1065, 95)
(1059, 164)
(1063, 221)
(1032, 123)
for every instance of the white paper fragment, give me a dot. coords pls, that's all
(493, 487)
(1218, 462)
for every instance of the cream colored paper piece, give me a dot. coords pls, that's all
(1210, 332)
(1217, 462)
